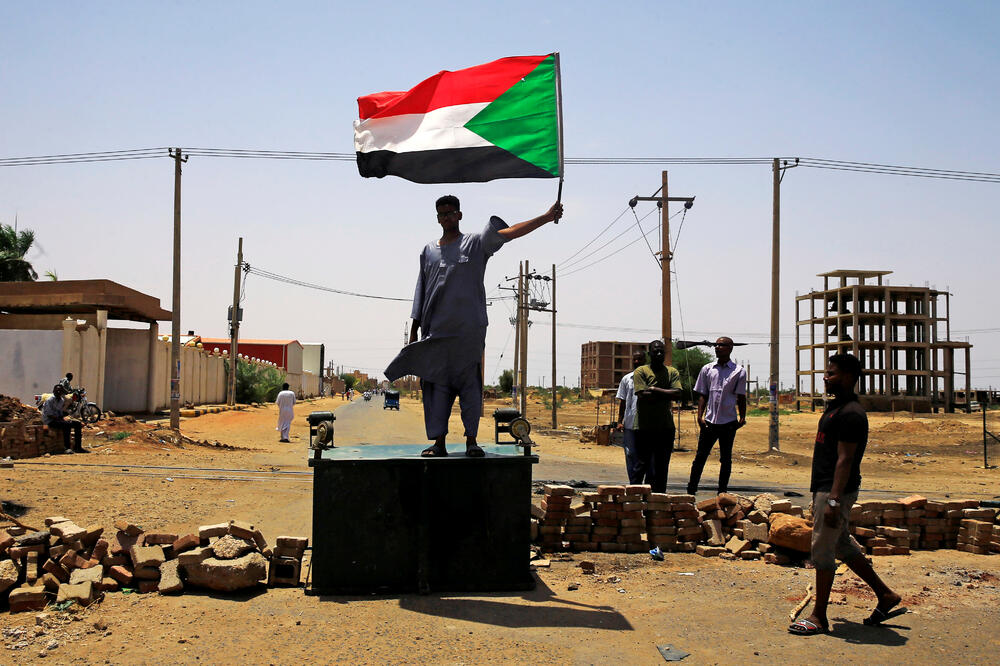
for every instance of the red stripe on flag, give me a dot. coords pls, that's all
(482, 83)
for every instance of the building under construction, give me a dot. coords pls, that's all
(902, 335)
(604, 363)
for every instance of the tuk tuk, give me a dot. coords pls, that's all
(391, 399)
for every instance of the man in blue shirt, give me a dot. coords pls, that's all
(449, 309)
(626, 420)
(722, 391)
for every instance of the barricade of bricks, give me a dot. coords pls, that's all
(18, 440)
(66, 562)
(631, 519)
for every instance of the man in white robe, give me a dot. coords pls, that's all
(286, 403)
(449, 309)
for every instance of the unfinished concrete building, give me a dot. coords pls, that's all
(603, 363)
(902, 335)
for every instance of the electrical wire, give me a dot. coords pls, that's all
(594, 239)
(245, 153)
(77, 158)
(609, 242)
(611, 254)
(300, 283)
(639, 224)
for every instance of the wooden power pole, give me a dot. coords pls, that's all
(234, 325)
(777, 174)
(522, 386)
(175, 319)
(665, 257)
(555, 394)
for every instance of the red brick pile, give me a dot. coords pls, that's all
(631, 519)
(66, 562)
(22, 434)
(617, 519)
(914, 523)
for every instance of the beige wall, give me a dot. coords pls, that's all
(30, 362)
(123, 370)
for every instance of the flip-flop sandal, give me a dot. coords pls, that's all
(433, 452)
(807, 628)
(474, 452)
(879, 616)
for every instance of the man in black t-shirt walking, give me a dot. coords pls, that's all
(836, 478)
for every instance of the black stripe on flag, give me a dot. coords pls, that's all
(451, 165)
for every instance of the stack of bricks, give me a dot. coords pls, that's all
(556, 511)
(935, 525)
(21, 439)
(975, 536)
(690, 531)
(618, 521)
(66, 562)
(955, 513)
(995, 541)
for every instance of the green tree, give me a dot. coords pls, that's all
(689, 363)
(507, 381)
(13, 246)
(256, 383)
(349, 380)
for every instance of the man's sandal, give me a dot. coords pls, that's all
(434, 452)
(879, 616)
(807, 628)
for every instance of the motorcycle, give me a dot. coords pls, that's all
(75, 405)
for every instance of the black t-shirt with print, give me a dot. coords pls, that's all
(843, 421)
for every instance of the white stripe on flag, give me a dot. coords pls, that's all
(435, 130)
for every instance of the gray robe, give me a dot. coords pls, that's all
(450, 303)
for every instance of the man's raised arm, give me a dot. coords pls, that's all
(526, 227)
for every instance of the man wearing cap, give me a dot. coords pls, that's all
(54, 417)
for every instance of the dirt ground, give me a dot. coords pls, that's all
(719, 611)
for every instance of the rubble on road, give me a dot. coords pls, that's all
(633, 519)
(68, 563)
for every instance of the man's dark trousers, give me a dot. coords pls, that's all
(653, 449)
(66, 427)
(724, 433)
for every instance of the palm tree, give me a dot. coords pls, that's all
(14, 245)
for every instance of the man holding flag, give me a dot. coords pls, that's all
(498, 120)
(449, 308)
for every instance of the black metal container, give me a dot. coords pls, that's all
(386, 520)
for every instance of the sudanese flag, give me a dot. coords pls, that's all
(498, 120)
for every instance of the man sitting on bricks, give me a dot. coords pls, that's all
(53, 415)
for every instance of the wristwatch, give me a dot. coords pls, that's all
(834, 503)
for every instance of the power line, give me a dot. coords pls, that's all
(245, 153)
(300, 283)
(564, 261)
(611, 254)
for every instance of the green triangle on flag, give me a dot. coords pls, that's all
(524, 120)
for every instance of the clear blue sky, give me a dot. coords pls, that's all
(910, 83)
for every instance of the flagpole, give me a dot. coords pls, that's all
(559, 112)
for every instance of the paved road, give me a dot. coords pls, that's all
(366, 423)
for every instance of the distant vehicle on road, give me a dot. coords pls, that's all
(391, 399)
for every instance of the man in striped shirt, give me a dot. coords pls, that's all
(722, 391)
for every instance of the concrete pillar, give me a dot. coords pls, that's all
(102, 353)
(70, 349)
(152, 366)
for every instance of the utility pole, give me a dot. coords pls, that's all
(777, 173)
(555, 394)
(517, 329)
(234, 325)
(175, 337)
(523, 368)
(662, 202)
